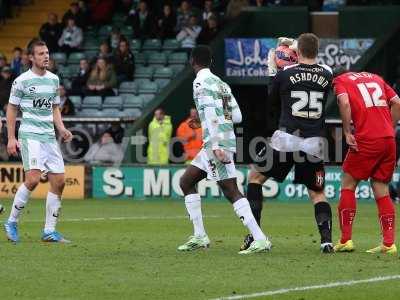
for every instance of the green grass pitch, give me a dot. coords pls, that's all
(127, 250)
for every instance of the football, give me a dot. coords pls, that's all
(284, 56)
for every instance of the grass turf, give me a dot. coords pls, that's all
(136, 257)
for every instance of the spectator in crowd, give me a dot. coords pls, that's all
(159, 132)
(66, 105)
(115, 37)
(16, 61)
(104, 52)
(75, 13)
(142, 22)
(209, 30)
(116, 131)
(189, 133)
(50, 32)
(167, 23)
(184, 13)
(3, 61)
(208, 10)
(188, 35)
(25, 62)
(101, 11)
(71, 38)
(79, 82)
(102, 79)
(104, 151)
(259, 3)
(52, 66)
(6, 80)
(235, 7)
(124, 62)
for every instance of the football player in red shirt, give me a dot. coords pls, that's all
(373, 106)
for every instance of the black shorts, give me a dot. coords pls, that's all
(308, 170)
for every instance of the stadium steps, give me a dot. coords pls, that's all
(21, 29)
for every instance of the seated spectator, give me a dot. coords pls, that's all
(234, 8)
(142, 22)
(66, 106)
(124, 62)
(115, 37)
(209, 31)
(52, 67)
(25, 62)
(184, 13)
(6, 80)
(3, 61)
(78, 84)
(208, 11)
(50, 32)
(159, 132)
(104, 52)
(188, 35)
(116, 131)
(104, 151)
(166, 23)
(71, 38)
(16, 64)
(75, 13)
(190, 134)
(102, 79)
(101, 11)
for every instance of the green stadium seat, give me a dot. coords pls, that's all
(104, 31)
(128, 87)
(144, 72)
(90, 54)
(66, 71)
(140, 58)
(75, 57)
(131, 113)
(162, 82)
(147, 99)
(89, 112)
(110, 112)
(152, 44)
(132, 101)
(177, 68)
(157, 58)
(135, 44)
(171, 45)
(164, 72)
(118, 18)
(92, 102)
(148, 88)
(67, 83)
(177, 58)
(112, 102)
(127, 31)
(59, 58)
(91, 45)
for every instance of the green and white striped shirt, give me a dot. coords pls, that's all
(36, 96)
(217, 109)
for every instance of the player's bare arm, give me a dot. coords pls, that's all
(65, 133)
(13, 145)
(345, 113)
(395, 110)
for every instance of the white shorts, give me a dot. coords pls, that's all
(216, 170)
(44, 156)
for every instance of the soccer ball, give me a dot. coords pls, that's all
(284, 56)
(1, 209)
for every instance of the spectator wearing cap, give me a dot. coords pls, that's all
(166, 23)
(184, 13)
(79, 82)
(6, 80)
(75, 13)
(16, 61)
(142, 21)
(209, 31)
(71, 38)
(189, 34)
(102, 79)
(124, 62)
(50, 32)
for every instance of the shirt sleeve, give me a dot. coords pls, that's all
(57, 99)
(339, 87)
(16, 93)
(390, 93)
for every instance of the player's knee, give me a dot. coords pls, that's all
(317, 196)
(185, 185)
(31, 182)
(256, 177)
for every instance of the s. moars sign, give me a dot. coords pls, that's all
(247, 57)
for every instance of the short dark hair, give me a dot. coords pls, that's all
(201, 55)
(308, 45)
(17, 49)
(36, 42)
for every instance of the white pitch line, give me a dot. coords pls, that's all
(124, 218)
(310, 287)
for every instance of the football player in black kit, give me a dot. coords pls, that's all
(301, 89)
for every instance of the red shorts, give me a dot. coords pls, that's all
(374, 159)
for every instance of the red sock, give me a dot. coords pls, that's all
(347, 212)
(387, 219)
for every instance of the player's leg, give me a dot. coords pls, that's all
(30, 151)
(346, 213)
(188, 182)
(254, 193)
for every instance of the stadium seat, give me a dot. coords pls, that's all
(118, 18)
(112, 102)
(177, 68)
(162, 82)
(127, 31)
(144, 72)
(147, 99)
(177, 58)
(132, 101)
(135, 44)
(128, 87)
(59, 58)
(158, 58)
(89, 112)
(140, 58)
(90, 54)
(165, 72)
(132, 112)
(66, 71)
(75, 57)
(171, 45)
(104, 31)
(91, 44)
(92, 102)
(67, 83)
(152, 44)
(148, 88)
(76, 100)
(110, 112)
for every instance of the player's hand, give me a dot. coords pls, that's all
(66, 135)
(221, 156)
(272, 67)
(351, 141)
(13, 147)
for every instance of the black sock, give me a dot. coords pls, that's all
(255, 197)
(323, 217)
